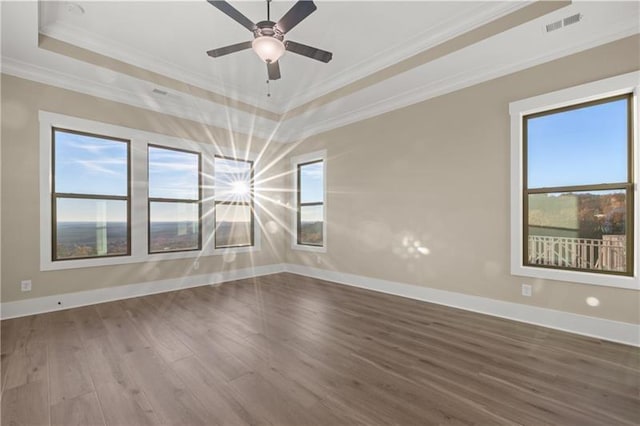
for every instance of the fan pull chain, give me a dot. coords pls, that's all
(268, 90)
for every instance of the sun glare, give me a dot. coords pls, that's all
(240, 188)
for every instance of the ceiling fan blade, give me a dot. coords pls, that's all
(214, 53)
(308, 51)
(295, 15)
(233, 13)
(273, 70)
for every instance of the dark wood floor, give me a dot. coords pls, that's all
(288, 350)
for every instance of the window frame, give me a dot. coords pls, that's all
(300, 204)
(56, 195)
(626, 85)
(138, 207)
(296, 163)
(250, 204)
(627, 186)
(174, 200)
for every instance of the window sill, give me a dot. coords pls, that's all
(313, 249)
(48, 265)
(619, 281)
(227, 250)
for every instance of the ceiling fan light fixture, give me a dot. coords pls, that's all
(268, 48)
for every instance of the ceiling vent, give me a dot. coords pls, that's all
(554, 26)
(572, 19)
(569, 20)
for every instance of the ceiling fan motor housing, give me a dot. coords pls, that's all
(268, 29)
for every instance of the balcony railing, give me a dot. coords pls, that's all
(607, 254)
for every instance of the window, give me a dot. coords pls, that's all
(309, 222)
(310, 214)
(234, 210)
(90, 196)
(112, 195)
(174, 200)
(577, 177)
(574, 165)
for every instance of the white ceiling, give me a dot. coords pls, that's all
(171, 38)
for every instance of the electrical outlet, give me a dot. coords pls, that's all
(196, 265)
(25, 285)
(526, 290)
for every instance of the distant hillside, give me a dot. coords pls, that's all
(311, 232)
(577, 215)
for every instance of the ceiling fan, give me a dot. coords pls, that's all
(268, 41)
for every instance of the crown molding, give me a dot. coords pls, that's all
(327, 117)
(452, 27)
(445, 30)
(288, 131)
(95, 43)
(452, 83)
(195, 109)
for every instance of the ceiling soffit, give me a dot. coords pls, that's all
(359, 95)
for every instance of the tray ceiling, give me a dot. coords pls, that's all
(381, 52)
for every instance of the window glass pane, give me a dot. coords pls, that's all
(311, 183)
(90, 164)
(173, 226)
(578, 147)
(90, 228)
(233, 225)
(311, 220)
(173, 174)
(232, 180)
(579, 230)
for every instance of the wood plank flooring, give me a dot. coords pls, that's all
(289, 350)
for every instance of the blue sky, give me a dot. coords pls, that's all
(173, 174)
(311, 190)
(90, 165)
(94, 166)
(311, 183)
(579, 147)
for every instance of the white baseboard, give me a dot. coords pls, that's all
(58, 302)
(615, 331)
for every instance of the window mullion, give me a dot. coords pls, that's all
(579, 188)
(139, 205)
(90, 196)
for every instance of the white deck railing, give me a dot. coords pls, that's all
(608, 254)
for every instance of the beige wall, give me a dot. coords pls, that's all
(21, 101)
(439, 172)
